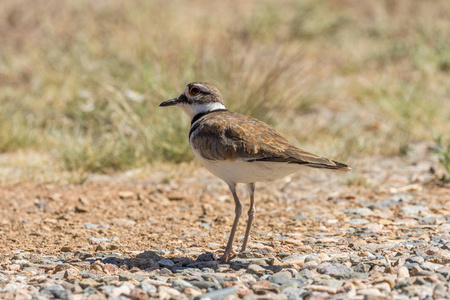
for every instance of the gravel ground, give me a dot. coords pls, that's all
(381, 233)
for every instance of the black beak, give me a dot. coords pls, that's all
(170, 102)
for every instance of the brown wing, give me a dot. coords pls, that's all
(245, 138)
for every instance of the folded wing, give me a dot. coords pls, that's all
(245, 138)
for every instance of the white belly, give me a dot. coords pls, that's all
(238, 171)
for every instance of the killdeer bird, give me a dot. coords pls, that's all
(239, 149)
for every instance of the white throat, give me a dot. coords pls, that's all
(194, 109)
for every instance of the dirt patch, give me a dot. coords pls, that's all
(397, 208)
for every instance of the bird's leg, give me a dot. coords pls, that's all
(251, 214)
(229, 249)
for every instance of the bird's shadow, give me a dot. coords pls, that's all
(150, 261)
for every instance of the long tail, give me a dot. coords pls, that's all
(334, 166)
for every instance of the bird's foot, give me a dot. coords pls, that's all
(226, 257)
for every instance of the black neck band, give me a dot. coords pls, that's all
(199, 115)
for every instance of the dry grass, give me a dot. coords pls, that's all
(82, 79)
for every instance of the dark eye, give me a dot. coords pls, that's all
(194, 91)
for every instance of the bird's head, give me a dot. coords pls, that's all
(197, 97)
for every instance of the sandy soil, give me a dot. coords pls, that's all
(193, 210)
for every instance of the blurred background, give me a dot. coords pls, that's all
(80, 81)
